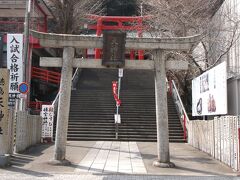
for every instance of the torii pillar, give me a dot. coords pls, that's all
(64, 104)
(159, 65)
(161, 111)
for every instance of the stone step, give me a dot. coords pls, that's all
(93, 107)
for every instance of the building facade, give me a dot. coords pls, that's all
(224, 45)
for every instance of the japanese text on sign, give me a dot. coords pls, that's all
(47, 120)
(115, 94)
(114, 49)
(14, 64)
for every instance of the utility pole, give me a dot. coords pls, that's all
(26, 48)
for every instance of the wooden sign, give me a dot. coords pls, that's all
(114, 49)
(4, 79)
(47, 121)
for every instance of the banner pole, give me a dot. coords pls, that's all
(119, 87)
(26, 48)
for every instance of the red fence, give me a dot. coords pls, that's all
(18, 26)
(45, 75)
(38, 105)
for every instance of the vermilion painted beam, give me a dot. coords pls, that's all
(99, 33)
(121, 18)
(106, 27)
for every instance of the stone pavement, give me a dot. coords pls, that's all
(113, 157)
(115, 160)
(109, 177)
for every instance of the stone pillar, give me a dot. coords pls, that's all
(4, 139)
(11, 131)
(161, 111)
(64, 105)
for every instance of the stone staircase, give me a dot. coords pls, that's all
(93, 107)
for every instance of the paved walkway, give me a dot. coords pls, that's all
(109, 177)
(113, 157)
(115, 160)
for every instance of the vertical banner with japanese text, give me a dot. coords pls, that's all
(14, 64)
(47, 121)
(115, 92)
(4, 78)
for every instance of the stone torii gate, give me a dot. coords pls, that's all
(159, 65)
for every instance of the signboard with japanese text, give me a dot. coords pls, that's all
(47, 121)
(114, 49)
(4, 78)
(209, 92)
(14, 64)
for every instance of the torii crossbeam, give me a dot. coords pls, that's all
(159, 65)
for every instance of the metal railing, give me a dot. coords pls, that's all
(55, 102)
(180, 107)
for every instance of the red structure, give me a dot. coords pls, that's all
(12, 19)
(45, 75)
(18, 27)
(119, 23)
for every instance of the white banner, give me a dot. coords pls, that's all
(209, 92)
(47, 120)
(14, 64)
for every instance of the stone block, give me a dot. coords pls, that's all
(4, 160)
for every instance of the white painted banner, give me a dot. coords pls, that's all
(47, 121)
(209, 92)
(4, 77)
(14, 64)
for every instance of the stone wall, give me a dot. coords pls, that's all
(28, 130)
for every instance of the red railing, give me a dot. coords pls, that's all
(37, 106)
(18, 26)
(45, 75)
(10, 26)
(120, 23)
(173, 91)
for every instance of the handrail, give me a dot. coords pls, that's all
(75, 73)
(74, 76)
(54, 103)
(181, 109)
